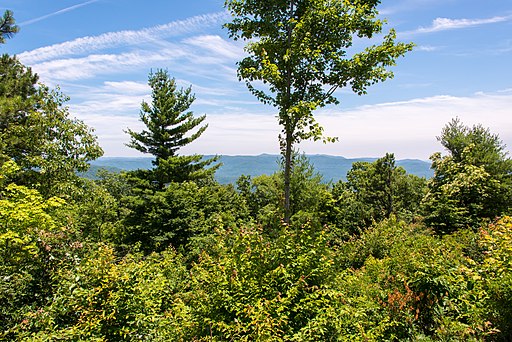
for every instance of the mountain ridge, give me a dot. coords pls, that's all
(332, 168)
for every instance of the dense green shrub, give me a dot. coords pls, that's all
(35, 240)
(496, 271)
(428, 286)
(104, 299)
(264, 196)
(374, 191)
(254, 287)
(182, 215)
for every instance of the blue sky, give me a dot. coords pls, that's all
(99, 52)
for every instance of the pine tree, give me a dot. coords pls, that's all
(7, 26)
(169, 121)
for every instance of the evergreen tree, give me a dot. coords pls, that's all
(168, 121)
(7, 26)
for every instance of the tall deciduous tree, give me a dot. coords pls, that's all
(7, 26)
(169, 122)
(303, 51)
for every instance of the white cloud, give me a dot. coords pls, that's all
(127, 87)
(93, 65)
(86, 45)
(62, 11)
(217, 46)
(426, 48)
(443, 24)
(215, 90)
(407, 128)
(210, 57)
(110, 132)
(113, 99)
(225, 102)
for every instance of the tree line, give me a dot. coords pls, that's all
(169, 254)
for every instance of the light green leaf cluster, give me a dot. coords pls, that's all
(470, 184)
(105, 299)
(37, 132)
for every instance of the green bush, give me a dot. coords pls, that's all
(104, 299)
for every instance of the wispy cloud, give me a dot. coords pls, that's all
(86, 45)
(426, 48)
(127, 87)
(93, 65)
(114, 98)
(209, 57)
(64, 10)
(217, 46)
(444, 24)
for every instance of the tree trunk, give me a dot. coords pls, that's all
(288, 128)
(287, 177)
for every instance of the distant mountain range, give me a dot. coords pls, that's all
(332, 168)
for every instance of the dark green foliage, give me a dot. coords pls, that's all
(375, 191)
(7, 26)
(93, 209)
(18, 97)
(169, 124)
(470, 184)
(178, 215)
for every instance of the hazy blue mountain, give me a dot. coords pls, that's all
(332, 168)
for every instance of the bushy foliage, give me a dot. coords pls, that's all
(37, 132)
(496, 269)
(374, 191)
(105, 299)
(423, 286)
(308, 192)
(181, 215)
(35, 240)
(472, 183)
(94, 210)
(253, 287)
